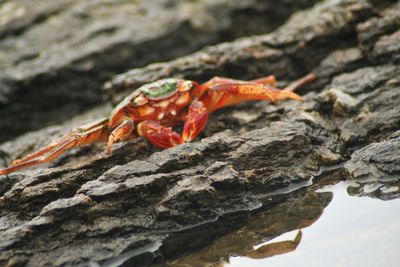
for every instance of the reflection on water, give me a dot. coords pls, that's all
(275, 248)
(296, 213)
(353, 231)
(385, 189)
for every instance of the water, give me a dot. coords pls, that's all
(347, 224)
(149, 248)
(352, 231)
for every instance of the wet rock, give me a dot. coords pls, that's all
(377, 160)
(376, 168)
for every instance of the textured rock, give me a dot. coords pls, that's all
(56, 55)
(253, 163)
(367, 102)
(285, 52)
(376, 160)
(377, 167)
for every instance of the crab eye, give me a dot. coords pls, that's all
(140, 101)
(186, 86)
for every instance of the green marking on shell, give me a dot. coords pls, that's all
(160, 89)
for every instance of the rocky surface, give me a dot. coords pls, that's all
(54, 56)
(256, 161)
(377, 168)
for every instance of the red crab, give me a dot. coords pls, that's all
(151, 110)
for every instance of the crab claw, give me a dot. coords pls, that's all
(196, 120)
(158, 135)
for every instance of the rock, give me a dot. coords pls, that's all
(56, 55)
(376, 160)
(216, 176)
(337, 62)
(342, 103)
(273, 53)
(365, 103)
(377, 168)
(370, 31)
(254, 162)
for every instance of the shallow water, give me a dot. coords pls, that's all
(337, 229)
(352, 231)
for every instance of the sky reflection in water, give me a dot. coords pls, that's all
(352, 231)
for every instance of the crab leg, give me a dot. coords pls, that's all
(303, 81)
(165, 137)
(226, 92)
(121, 133)
(223, 95)
(159, 135)
(268, 80)
(83, 135)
